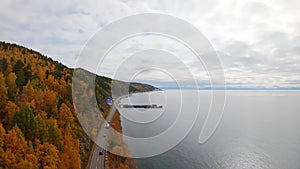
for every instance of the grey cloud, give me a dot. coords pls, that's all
(258, 41)
(272, 58)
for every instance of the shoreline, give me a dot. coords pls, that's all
(115, 161)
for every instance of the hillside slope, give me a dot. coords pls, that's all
(38, 124)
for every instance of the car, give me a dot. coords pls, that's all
(100, 153)
(107, 125)
(104, 135)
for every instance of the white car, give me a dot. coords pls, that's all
(107, 125)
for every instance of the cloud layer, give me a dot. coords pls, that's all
(258, 42)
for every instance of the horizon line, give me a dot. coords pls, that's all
(231, 88)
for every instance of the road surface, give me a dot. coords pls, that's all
(98, 161)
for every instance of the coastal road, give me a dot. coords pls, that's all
(98, 161)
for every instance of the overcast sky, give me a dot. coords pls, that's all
(258, 42)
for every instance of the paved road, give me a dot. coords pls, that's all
(98, 161)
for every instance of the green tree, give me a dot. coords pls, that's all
(54, 136)
(18, 66)
(27, 72)
(3, 93)
(20, 81)
(41, 129)
(3, 65)
(24, 119)
(12, 87)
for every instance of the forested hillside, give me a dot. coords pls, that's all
(38, 124)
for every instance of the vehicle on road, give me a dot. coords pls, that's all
(100, 153)
(107, 125)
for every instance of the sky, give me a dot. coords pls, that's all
(258, 42)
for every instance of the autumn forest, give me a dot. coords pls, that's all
(38, 124)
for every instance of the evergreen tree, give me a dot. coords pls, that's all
(3, 65)
(24, 119)
(3, 93)
(12, 87)
(41, 130)
(20, 81)
(18, 66)
(54, 137)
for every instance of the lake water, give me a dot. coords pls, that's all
(259, 129)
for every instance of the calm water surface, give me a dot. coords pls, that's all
(259, 129)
